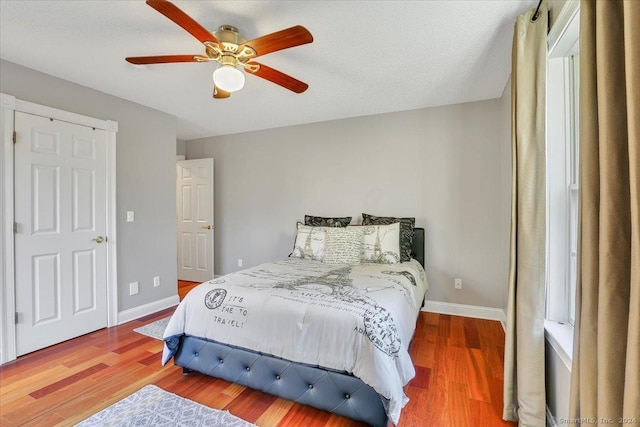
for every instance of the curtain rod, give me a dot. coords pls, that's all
(535, 16)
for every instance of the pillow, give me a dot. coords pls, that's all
(406, 231)
(381, 243)
(309, 243)
(326, 221)
(343, 245)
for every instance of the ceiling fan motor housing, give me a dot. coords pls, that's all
(228, 59)
(229, 34)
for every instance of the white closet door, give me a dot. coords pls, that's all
(60, 242)
(195, 219)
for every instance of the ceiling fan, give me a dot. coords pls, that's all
(232, 51)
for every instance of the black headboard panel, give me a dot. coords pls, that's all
(417, 251)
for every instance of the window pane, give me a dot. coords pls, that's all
(572, 187)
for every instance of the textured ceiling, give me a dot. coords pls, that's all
(368, 57)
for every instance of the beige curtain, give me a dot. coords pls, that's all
(524, 391)
(605, 387)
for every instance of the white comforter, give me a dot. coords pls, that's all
(354, 318)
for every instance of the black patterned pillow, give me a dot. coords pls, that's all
(320, 221)
(406, 231)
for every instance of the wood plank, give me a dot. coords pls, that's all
(17, 401)
(338, 421)
(444, 326)
(184, 287)
(456, 362)
(431, 318)
(477, 370)
(274, 413)
(471, 336)
(251, 404)
(305, 416)
(66, 381)
(457, 332)
(133, 344)
(105, 393)
(496, 390)
(153, 358)
(418, 406)
(49, 419)
(234, 390)
(422, 378)
(459, 405)
(480, 413)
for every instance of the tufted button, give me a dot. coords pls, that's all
(248, 369)
(196, 354)
(347, 396)
(221, 361)
(310, 386)
(277, 377)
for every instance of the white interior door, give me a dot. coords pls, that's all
(60, 242)
(195, 219)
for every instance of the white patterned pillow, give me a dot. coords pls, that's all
(381, 243)
(309, 243)
(343, 245)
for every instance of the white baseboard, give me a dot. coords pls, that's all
(476, 311)
(146, 309)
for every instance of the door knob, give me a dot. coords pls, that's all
(207, 227)
(99, 239)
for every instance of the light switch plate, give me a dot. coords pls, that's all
(133, 288)
(130, 216)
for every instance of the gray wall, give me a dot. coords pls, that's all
(442, 165)
(146, 155)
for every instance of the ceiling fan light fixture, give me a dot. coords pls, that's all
(228, 78)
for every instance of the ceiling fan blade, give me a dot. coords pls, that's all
(283, 39)
(172, 12)
(162, 59)
(277, 77)
(219, 93)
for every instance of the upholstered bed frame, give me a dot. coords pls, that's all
(332, 391)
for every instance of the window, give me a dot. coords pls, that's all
(563, 76)
(572, 182)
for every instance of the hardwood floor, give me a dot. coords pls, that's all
(458, 379)
(184, 287)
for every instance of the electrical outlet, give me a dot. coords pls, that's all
(133, 288)
(130, 216)
(239, 262)
(458, 283)
(156, 282)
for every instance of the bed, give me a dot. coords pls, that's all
(332, 336)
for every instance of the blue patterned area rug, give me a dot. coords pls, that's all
(151, 406)
(154, 329)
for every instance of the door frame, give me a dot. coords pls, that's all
(8, 106)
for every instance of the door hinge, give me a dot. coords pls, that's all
(15, 136)
(17, 318)
(15, 227)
